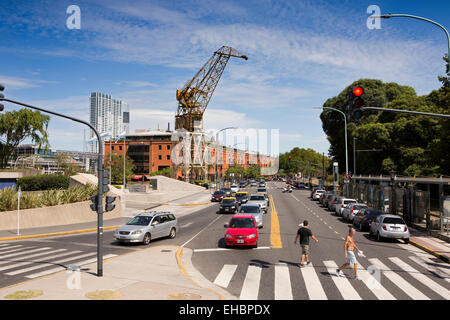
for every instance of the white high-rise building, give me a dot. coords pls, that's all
(110, 117)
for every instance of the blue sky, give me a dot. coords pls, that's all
(300, 54)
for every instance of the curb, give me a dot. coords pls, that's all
(56, 234)
(430, 251)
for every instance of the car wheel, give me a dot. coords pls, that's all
(173, 233)
(147, 239)
(406, 241)
(256, 245)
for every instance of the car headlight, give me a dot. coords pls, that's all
(252, 236)
(228, 236)
(233, 207)
(136, 232)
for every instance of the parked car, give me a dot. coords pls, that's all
(260, 200)
(389, 226)
(241, 197)
(351, 210)
(255, 211)
(322, 197)
(218, 196)
(262, 184)
(313, 190)
(317, 194)
(364, 218)
(241, 231)
(147, 226)
(332, 203)
(341, 203)
(234, 188)
(327, 199)
(301, 185)
(242, 184)
(228, 205)
(253, 184)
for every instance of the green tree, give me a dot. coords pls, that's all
(117, 168)
(18, 125)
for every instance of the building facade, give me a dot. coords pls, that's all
(152, 151)
(108, 116)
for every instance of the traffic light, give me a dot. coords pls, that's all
(1, 97)
(356, 102)
(109, 206)
(106, 181)
(94, 203)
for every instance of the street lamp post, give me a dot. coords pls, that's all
(345, 124)
(99, 173)
(217, 139)
(388, 16)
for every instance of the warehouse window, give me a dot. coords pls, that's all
(160, 157)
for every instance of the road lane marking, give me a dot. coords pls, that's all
(275, 237)
(283, 289)
(443, 292)
(250, 288)
(312, 283)
(44, 273)
(372, 283)
(16, 249)
(24, 263)
(345, 288)
(404, 285)
(224, 277)
(23, 252)
(184, 244)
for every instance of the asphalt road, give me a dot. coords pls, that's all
(269, 273)
(263, 273)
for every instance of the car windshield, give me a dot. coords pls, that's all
(262, 190)
(372, 212)
(228, 201)
(140, 221)
(226, 189)
(240, 195)
(349, 201)
(389, 220)
(257, 198)
(218, 193)
(359, 207)
(249, 209)
(241, 223)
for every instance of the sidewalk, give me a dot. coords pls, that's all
(157, 273)
(432, 245)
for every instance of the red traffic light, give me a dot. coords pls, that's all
(358, 91)
(289, 157)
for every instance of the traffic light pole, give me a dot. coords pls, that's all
(440, 115)
(99, 174)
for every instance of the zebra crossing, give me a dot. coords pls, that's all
(393, 279)
(31, 262)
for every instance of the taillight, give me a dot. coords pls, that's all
(405, 229)
(352, 211)
(384, 227)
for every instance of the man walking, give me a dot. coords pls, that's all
(304, 233)
(349, 246)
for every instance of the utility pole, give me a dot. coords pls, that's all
(354, 156)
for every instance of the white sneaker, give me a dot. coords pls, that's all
(357, 278)
(340, 273)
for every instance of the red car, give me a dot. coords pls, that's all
(241, 231)
(218, 196)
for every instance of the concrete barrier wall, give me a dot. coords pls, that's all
(78, 212)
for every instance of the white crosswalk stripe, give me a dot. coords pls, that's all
(8, 246)
(20, 264)
(439, 269)
(20, 271)
(403, 284)
(24, 252)
(373, 282)
(250, 288)
(225, 275)
(81, 263)
(283, 289)
(422, 278)
(25, 257)
(7, 250)
(345, 288)
(312, 283)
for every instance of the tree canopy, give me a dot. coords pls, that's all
(408, 144)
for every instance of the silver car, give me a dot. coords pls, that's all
(389, 226)
(317, 194)
(351, 210)
(148, 226)
(255, 211)
(341, 203)
(259, 199)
